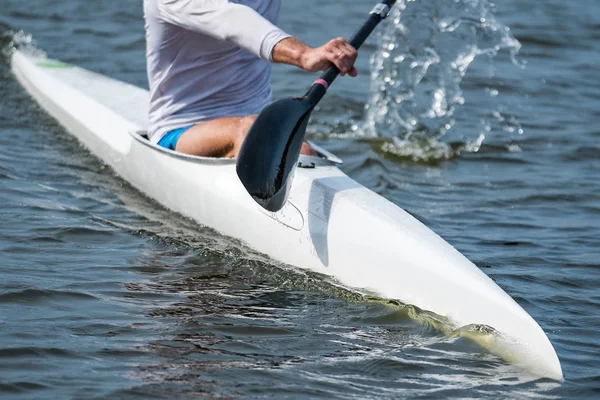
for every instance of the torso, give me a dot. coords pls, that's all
(194, 77)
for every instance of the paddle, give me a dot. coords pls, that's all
(270, 152)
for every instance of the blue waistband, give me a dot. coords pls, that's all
(169, 140)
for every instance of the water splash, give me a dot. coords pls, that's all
(423, 57)
(11, 41)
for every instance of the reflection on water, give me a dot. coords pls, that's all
(252, 327)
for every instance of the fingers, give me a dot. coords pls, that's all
(341, 54)
(337, 52)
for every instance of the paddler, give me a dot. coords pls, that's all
(209, 69)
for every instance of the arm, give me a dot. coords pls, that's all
(246, 28)
(235, 23)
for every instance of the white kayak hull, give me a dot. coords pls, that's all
(331, 224)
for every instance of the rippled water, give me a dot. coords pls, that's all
(105, 294)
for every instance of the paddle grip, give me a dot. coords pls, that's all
(379, 12)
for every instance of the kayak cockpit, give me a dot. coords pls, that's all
(323, 157)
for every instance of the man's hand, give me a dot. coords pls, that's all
(337, 52)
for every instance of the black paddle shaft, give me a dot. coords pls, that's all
(379, 12)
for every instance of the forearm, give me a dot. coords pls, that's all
(290, 51)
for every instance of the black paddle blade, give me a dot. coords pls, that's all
(269, 154)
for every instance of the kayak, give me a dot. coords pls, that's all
(330, 223)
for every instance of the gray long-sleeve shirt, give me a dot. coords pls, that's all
(208, 59)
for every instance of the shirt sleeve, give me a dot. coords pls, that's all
(226, 21)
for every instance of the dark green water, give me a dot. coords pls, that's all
(104, 294)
